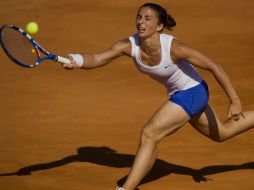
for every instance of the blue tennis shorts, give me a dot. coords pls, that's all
(193, 100)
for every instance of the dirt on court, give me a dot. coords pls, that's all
(79, 129)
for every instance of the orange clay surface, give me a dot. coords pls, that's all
(79, 129)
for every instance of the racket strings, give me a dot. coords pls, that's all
(19, 46)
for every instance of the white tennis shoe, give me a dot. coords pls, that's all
(120, 188)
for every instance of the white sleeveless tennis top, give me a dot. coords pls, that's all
(174, 76)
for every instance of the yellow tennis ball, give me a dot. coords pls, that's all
(32, 27)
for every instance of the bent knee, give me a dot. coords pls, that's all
(150, 134)
(220, 136)
(218, 139)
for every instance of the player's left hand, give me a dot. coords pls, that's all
(235, 110)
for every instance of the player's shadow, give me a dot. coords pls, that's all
(108, 157)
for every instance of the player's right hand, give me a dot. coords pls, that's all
(71, 65)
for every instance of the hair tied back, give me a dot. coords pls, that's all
(170, 22)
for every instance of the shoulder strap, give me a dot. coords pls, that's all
(134, 45)
(167, 41)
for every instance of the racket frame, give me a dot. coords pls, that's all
(37, 48)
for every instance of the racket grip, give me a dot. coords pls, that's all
(63, 60)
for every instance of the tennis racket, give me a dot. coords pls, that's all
(23, 50)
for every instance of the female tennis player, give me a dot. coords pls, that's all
(171, 63)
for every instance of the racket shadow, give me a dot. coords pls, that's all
(106, 156)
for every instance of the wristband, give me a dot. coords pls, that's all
(78, 58)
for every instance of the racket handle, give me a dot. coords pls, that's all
(63, 60)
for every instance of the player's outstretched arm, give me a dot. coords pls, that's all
(91, 61)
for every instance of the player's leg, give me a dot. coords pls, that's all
(166, 120)
(209, 124)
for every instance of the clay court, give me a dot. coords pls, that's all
(79, 129)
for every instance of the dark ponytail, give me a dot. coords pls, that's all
(170, 23)
(164, 18)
